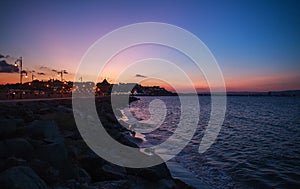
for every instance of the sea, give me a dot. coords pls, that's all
(258, 145)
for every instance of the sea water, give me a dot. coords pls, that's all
(258, 145)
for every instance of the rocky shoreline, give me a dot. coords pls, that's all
(42, 148)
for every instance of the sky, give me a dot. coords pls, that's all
(256, 43)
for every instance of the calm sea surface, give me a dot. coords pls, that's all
(257, 147)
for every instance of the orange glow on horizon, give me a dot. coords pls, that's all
(260, 84)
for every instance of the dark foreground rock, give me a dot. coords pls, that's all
(7, 127)
(41, 148)
(16, 147)
(21, 178)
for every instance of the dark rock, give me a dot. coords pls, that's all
(26, 114)
(19, 122)
(21, 178)
(35, 142)
(111, 118)
(182, 185)
(100, 170)
(115, 172)
(152, 173)
(54, 140)
(126, 141)
(48, 173)
(11, 162)
(54, 153)
(72, 183)
(63, 109)
(68, 170)
(17, 147)
(44, 129)
(134, 139)
(76, 135)
(93, 166)
(2, 149)
(68, 134)
(167, 183)
(44, 110)
(60, 187)
(7, 127)
(84, 177)
(140, 183)
(120, 184)
(38, 166)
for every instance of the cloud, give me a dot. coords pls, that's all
(7, 68)
(63, 71)
(44, 68)
(4, 57)
(139, 75)
(41, 73)
(30, 71)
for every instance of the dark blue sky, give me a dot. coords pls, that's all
(254, 42)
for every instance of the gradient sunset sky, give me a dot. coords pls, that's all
(256, 43)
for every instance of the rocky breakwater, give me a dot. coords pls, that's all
(40, 147)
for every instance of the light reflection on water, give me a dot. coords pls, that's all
(257, 147)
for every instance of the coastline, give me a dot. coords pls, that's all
(176, 170)
(41, 144)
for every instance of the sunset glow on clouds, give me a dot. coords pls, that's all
(256, 44)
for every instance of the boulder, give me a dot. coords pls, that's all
(101, 170)
(48, 173)
(120, 184)
(26, 113)
(138, 183)
(17, 147)
(153, 173)
(111, 118)
(114, 171)
(44, 129)
(44, 110)
(54, 153)
(19, 122)
(21, 178)
(7, 127)
(84, 177)
(2, 150)
(11, 162)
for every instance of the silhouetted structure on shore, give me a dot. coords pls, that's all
(105, 88)
(57, 88)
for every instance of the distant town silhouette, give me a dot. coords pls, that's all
(56, 88)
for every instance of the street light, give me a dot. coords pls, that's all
(61, 74)
(20, 61)
(25, 72)
(32, 77)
